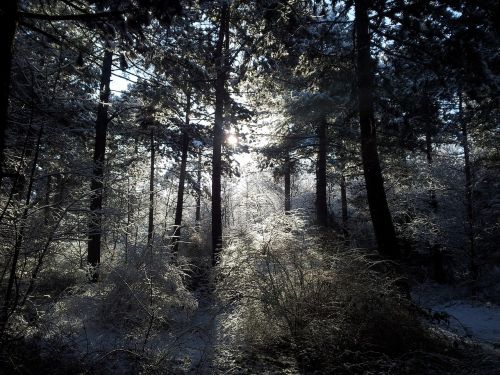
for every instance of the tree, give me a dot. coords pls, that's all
(321, 194)
(377, 201)
(222, 69)
(8, 20)
(151, 224)
(182, 174)
(469, 205)
(97, 182)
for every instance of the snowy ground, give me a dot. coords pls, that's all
(198, 341)
(198, 346)
(478, 320)
(73, 329)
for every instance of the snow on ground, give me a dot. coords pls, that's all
(75, 329)
(196, 343)
(479, 320)
(475, 319)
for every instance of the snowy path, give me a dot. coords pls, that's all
(197, 343)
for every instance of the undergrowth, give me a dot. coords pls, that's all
(329, 307)
(112, 326)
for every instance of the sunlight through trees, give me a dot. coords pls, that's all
(247, 187)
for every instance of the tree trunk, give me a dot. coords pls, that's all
(220, 93)
(469, 204)
(151, 225)
(97, 182)
(343, 198)
(198, 190)
(8, 22)
(321, 188)
(377, 200)
(287, 173)
(182, 179)
(60, 194)
(129, 219)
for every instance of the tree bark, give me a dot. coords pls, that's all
(377, 200)
(287, 173)
(220, 93)
(129, 219)
(198, 190)
(8, 22)
(343, 198)
(151, 225)
(97, 182)
(321, 188)
(469, 203)
(182, 179)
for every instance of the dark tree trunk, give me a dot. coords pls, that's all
(97, 182)
(198, 190)
(182, 179)
(321, 188)
(287, 173)
(8, 26)
(469, 203)
(151, 224)
(377, 200)
(129, 219)
(220, 93)
(343, 198)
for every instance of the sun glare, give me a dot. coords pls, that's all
(232, 140)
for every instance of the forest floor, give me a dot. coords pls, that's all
(474, 321)
(206, 348)
(202, 345)
(197, 343)
(474, 318)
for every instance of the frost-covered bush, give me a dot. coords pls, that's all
(148, 288)
(125, 314)
(319, 300)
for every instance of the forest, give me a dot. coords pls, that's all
(249, 187)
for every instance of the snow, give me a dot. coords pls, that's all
(477, 320)
(84, 326)
(195, 344)
(469, 317)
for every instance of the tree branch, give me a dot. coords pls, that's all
(70, 17)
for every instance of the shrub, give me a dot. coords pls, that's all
(146, 289)
(321, 300)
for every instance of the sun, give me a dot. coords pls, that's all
(232, 140)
